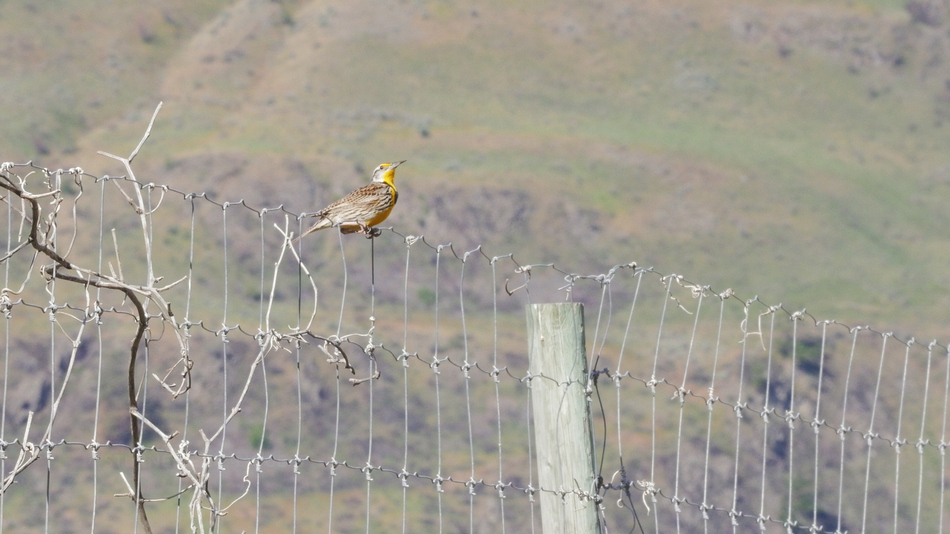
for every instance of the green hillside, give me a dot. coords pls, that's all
(794, 150)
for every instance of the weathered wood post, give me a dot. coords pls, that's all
(562, 425)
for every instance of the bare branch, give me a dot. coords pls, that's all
(148, 132)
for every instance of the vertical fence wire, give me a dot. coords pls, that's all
(681, 398)
(404, 361)
(790, 416)
(870, 435)
(944, 443)
(898, 440)
(766, 412)
(816, 424)
(710, 401)
(920, 439)
(495, 372)
(51, 314)
(7, 323)
(434, 367)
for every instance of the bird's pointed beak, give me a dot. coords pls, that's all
(398, 163)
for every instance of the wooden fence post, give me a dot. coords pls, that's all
(562, 424)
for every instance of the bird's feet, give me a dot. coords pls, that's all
(370, 232)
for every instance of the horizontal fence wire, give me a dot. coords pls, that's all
(383, 385)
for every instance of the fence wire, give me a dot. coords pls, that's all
(171, 363)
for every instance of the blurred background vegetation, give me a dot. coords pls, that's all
(797, 148)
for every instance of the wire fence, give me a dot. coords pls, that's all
(171, 363)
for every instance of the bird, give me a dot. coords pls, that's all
(364, 208)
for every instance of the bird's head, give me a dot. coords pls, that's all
(386, 172)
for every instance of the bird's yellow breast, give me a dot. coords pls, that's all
(381, 216)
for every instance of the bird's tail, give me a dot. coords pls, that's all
(319, 225)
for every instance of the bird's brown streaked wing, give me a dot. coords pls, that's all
(360, 204)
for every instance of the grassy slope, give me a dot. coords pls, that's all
(680, 132)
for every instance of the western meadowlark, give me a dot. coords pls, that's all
(364, 208)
